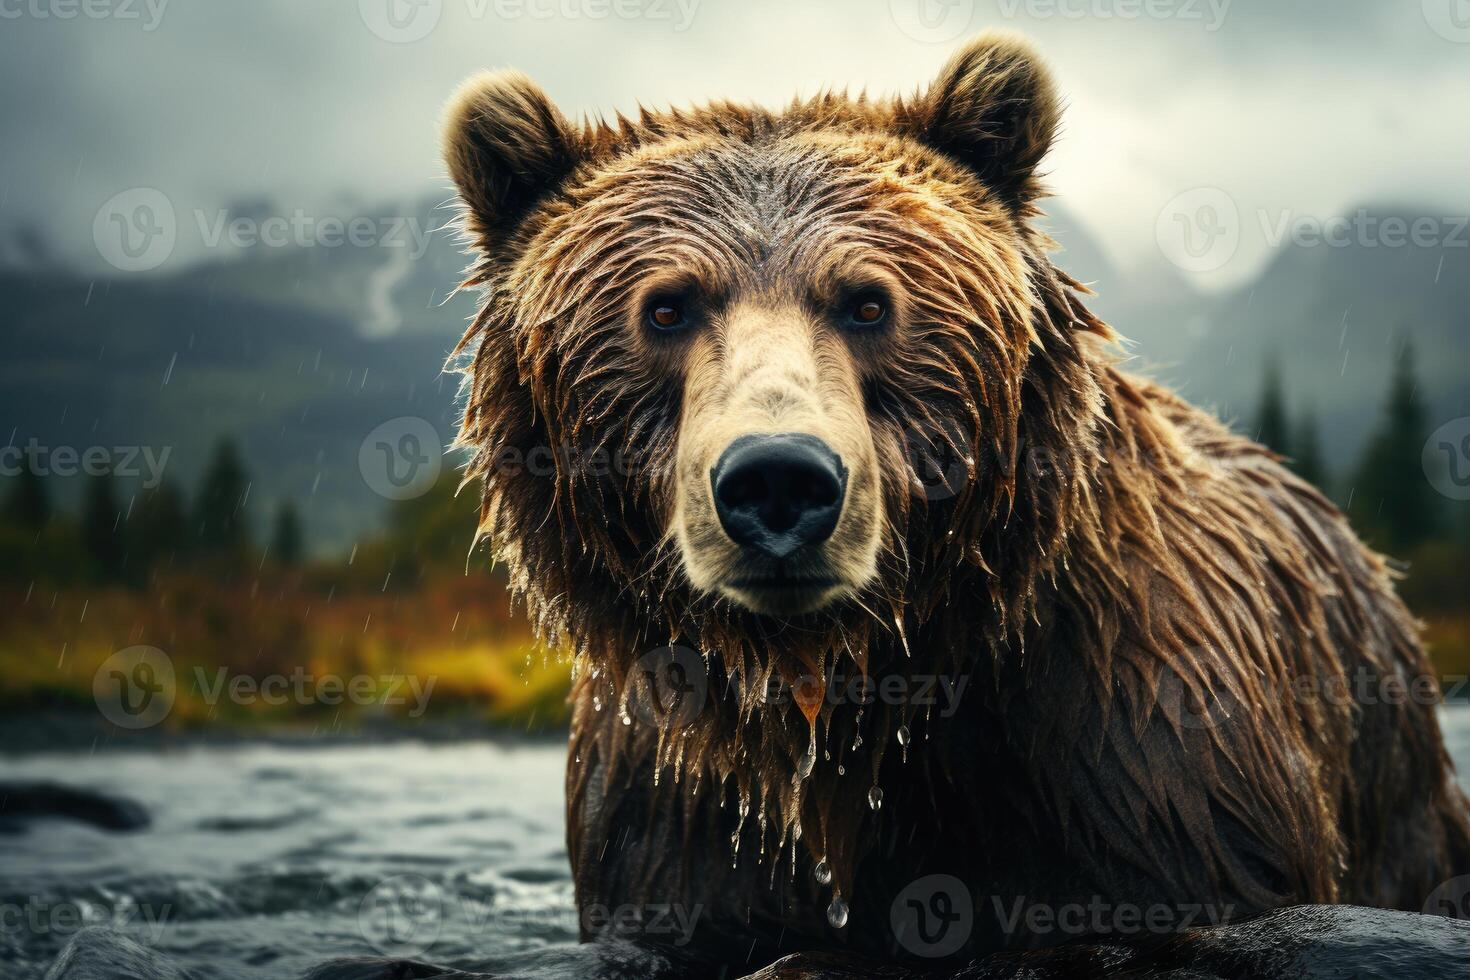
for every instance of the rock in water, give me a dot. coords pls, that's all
(26, 801)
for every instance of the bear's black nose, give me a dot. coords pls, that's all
(777, 493)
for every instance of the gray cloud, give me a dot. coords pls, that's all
(1310, 108)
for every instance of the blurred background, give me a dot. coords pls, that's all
(227, 297)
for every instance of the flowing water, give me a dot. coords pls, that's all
(263, 860)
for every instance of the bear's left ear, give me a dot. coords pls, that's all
(993, 108)
(507, 146)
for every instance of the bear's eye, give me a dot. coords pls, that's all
(867, 310)
(666, 313)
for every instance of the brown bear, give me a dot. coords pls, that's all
(965, 620)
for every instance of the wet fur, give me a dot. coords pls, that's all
(1107, 543)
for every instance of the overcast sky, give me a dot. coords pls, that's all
(1301, 109)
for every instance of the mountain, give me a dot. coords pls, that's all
(1336, 319)
(296, 353)
(1333, 317)
(299, 353)
(1160, 315)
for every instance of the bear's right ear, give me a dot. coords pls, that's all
(994, 108)
(506, 146)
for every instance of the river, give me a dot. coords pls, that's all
(262, 860)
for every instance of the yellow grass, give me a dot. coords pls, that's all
(454, 639)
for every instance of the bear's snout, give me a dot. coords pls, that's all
(777, 494)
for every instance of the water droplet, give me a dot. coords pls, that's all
(807, 762)
(903, 734)
(837, 913)
(841, 770)
(875, 798)
(822, 873)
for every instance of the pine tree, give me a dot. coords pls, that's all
(159, 527)
(26, 505)
(102, 532)
(287, 537)
(1392, 501)
(1308, 461)
(220, 519)
(1271, 424)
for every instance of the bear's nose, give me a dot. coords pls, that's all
(777, 493)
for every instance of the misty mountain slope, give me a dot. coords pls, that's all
(178, 362)
(404, 280)
(299, 353)
(1336, 319)
(1160, 316)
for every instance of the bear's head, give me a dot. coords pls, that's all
(764, 383)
